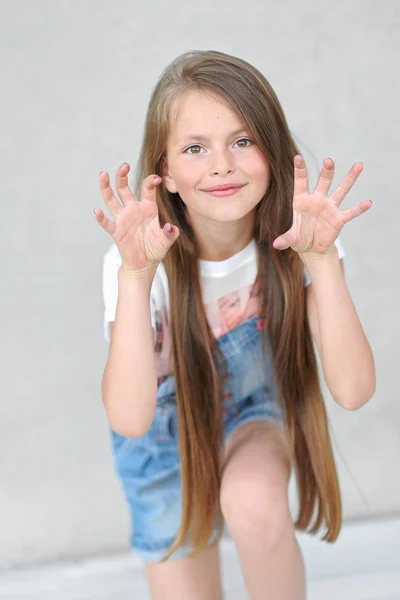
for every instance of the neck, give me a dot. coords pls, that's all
(219, 241)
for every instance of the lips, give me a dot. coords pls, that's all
(226, 186)
(228, 189)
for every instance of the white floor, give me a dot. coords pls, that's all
(363, 565)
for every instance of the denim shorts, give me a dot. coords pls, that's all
(149, 466)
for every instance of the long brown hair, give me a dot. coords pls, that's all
(198, 366)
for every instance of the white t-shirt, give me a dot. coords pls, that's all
(227, 290)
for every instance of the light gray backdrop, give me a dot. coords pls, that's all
(75, 82)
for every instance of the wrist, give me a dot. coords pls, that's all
(329, 256)
(140, 277)
(322, 268)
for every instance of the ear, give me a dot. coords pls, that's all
(167, 179)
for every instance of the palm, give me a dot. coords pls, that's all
(136, 229)
(317, 220)
(137, 234)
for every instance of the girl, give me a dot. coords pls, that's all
(211, 386)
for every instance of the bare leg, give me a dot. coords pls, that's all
(196, 578)
(255, 506)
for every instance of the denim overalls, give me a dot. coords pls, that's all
(149, 467)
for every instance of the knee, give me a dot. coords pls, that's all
(255, 506)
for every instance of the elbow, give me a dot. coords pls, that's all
(355, 396)
(130, 426)
(125, 419)
(128, 429)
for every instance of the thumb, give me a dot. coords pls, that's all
(282, 242)
(170, 235)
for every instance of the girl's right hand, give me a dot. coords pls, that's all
(136, 230)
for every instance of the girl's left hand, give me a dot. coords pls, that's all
(317, 220)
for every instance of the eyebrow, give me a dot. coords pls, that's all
(204, 138)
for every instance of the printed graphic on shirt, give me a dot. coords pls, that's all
(223, 315)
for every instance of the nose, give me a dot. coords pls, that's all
(222, 163)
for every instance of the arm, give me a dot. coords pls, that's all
(345, 354)
(129, 382)
(346, 357)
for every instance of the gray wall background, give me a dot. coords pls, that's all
(75, 82)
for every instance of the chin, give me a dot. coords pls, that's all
(230, 214)
(229, 218)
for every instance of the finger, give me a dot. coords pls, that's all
(149, 187)
(325, 179)
(112, 203)
(345, 186)
(170, 235)
(300, 176)
(104, 222)
(122, 186)
(356, 211)
(283, 241)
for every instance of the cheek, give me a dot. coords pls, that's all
(254, 164)
(259, 172)
(187, 174)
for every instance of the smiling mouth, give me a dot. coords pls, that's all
(224, 190)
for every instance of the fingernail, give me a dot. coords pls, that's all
(157, 178)
(125, 164)
(170, 229)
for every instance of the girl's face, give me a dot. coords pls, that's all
(212, 162)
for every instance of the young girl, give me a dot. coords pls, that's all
(224, 271)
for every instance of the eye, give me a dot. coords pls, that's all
(195, 149)
(243, 143)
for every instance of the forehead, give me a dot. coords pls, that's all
(202, 113)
